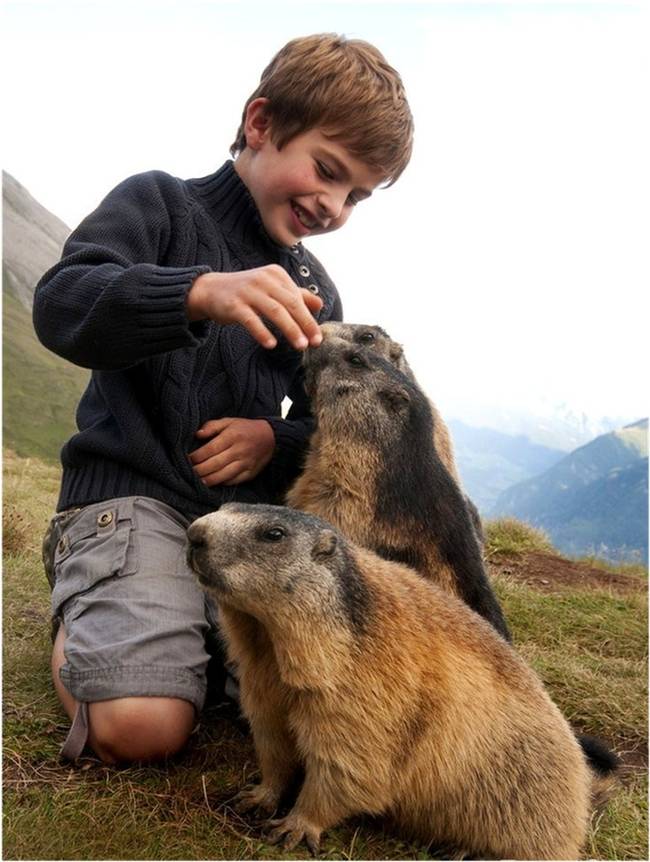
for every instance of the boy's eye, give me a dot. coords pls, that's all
(324, 171)
(352, 200)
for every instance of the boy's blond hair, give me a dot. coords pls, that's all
(344, 86)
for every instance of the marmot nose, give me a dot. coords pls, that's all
(196, 535)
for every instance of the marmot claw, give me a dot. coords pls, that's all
(255, 796)
(293, 829)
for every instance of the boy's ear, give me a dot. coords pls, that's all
(257, 126)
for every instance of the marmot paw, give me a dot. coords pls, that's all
(293, 829)
(256, 796)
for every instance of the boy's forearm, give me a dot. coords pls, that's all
(109, 316)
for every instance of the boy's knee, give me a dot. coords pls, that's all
(139, 728)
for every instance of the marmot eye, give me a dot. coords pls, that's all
(356, 360)
(274, 534)
(367, 337)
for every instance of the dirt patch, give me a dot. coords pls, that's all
(549, 572)
(633, 755)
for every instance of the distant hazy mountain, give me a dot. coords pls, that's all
(490, 461)
(595, 500)
(40, 390)
(554, 425)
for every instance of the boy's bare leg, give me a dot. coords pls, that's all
(129, 728)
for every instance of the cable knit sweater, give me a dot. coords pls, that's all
(115, 303)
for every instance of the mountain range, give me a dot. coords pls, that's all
(592, 501)
(490, 461)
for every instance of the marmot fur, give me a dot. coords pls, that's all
(375, 338)
(373, 471)
(391, 695)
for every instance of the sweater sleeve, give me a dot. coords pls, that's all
(109, 303)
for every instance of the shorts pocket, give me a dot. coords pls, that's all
(97, 545)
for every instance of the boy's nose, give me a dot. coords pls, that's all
(331, 204)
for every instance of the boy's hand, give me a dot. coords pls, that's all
(245, 297)
(238, 451)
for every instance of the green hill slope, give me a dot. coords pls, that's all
(40, 390)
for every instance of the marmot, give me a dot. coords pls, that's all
(373, 471)
(391, 695)
(363, 336)
(375, 338)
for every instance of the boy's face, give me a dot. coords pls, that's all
(308, 187)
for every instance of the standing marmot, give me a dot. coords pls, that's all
(373, 471)
(375, 338)
(393, 696)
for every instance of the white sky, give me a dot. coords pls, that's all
(512, 257)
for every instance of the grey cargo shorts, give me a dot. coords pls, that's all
(136, 621)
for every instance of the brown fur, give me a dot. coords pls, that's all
(392, 696)
(376, 338)
(367, 423)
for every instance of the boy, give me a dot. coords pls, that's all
(191, 300)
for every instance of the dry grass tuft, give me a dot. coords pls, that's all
(510, 536)
(15, 530)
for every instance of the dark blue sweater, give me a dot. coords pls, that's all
(115, 303)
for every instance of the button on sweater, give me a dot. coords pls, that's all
(115, 303)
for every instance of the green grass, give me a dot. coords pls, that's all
(40, 390)
(509, 536)
(590, 648)
(634, 569)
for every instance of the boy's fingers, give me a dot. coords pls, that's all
(291, 315)
(277, 313)
(244, 476)
(313, 302)
(226, 475)
(302, 304)
(214, 426)
(211, 449)
(214, 464)
(253, 323)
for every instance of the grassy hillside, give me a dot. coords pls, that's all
(589, 646)
(40, 390)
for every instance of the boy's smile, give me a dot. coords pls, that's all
(308, 187)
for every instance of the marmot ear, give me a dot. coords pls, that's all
(309, 383)
(396, 352)
(325, 545)
(395, 400)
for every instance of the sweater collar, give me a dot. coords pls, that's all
(227, 199)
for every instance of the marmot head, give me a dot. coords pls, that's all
(370, 337)
(271, 560)
(356, 391)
